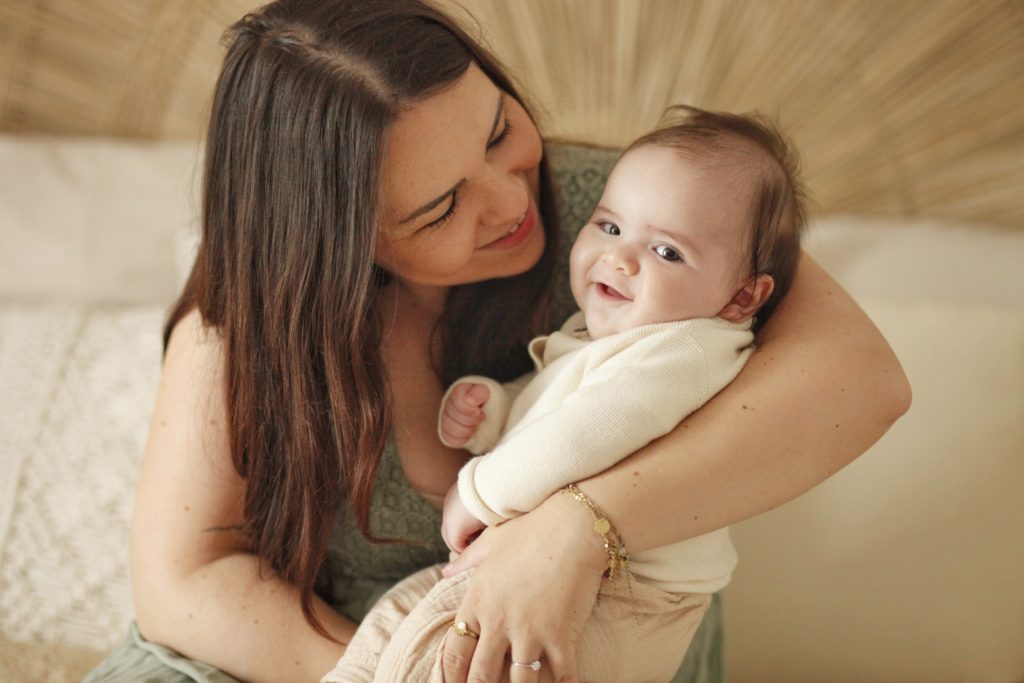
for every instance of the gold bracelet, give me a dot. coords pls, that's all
(618, 557)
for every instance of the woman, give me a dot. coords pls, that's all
(378, 219)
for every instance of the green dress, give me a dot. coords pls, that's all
(359, 571)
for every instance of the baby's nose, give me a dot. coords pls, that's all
(623, 259)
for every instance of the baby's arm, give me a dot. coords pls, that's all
(459, 527)
(620, 405)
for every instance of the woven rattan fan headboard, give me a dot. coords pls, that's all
(900, 108)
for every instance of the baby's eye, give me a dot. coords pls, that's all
(668, 253)
(609, 228)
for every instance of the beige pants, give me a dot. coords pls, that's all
(627, 640)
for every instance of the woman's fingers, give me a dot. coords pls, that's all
(526, 665)
(488, 658)
(536, 581)
(458, 648)
(561, 663)
(470, 557)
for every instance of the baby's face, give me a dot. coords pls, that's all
(665, 242)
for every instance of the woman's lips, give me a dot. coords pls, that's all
(520, 233)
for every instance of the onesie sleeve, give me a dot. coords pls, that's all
(496, 411)
(620, 405)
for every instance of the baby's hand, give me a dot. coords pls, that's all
(458, 526)
(462, 413)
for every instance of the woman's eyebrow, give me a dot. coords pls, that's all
(447, 193)
(432, 203)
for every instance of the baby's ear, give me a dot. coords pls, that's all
(748, 299)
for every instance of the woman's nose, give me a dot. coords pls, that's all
(622, 258)
(506, 197)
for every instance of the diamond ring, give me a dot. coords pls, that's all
(535, 664)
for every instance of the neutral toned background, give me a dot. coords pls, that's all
(907, 566)
(901, 108)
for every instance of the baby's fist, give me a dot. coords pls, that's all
(463, 412)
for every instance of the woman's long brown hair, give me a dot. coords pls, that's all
(285, 269)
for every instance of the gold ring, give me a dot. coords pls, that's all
(461, 628)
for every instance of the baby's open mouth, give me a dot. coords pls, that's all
(611, 292)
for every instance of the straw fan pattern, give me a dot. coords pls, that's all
(900, 108)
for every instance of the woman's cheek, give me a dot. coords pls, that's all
(456, 252)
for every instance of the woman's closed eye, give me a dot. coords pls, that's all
(446, 216)
(501, 136)
(498, 139)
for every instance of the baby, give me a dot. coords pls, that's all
(691, 246)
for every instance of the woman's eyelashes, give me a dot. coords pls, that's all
(447, 215)
(501, 136)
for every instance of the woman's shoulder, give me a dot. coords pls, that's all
(193, 344)
(194, 363)
(192, 329)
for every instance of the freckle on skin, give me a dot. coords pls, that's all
(163, 423)
(187, 508)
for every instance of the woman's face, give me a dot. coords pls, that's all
(459, 188)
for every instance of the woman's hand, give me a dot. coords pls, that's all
(535, 585)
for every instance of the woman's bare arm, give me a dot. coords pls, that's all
(822, 387)
(196, 589)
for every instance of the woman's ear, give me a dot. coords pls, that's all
(748, 299)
